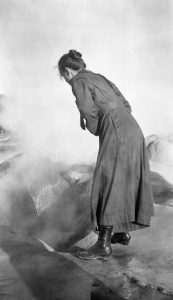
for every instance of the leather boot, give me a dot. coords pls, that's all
(121, 238)
(102, 249)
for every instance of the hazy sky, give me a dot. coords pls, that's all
(129, 41)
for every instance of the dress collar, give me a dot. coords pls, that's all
(76, 76)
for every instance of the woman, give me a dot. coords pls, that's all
(121, 197)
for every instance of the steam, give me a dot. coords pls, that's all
(161, 155)
(45, 129)
(39, 108)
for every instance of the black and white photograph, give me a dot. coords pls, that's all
(86, 149)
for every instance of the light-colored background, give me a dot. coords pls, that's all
(130, 42)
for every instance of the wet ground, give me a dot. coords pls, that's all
(29, 271)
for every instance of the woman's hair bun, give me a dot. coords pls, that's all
(75, 54)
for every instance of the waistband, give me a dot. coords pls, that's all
(107, 107)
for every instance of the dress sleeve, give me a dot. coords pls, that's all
(82, 90)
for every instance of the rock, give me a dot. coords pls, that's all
(160, 150)
(17, 206)
(161, 187)
(67, 220)
(49, 200)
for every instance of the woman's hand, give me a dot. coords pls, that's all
(82, 123)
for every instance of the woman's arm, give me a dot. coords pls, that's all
(126, 104)
(82, 122)
(82, 90)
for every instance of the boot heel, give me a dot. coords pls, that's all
(125, 242)
(121, 238)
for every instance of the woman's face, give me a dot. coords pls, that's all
(69, 74)
(67, 77)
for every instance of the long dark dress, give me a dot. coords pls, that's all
(121, 192)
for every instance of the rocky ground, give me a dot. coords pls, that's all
(44, 218)
(29, 271)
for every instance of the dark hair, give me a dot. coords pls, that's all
(72, 60)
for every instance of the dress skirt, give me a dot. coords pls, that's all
(121, 191)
